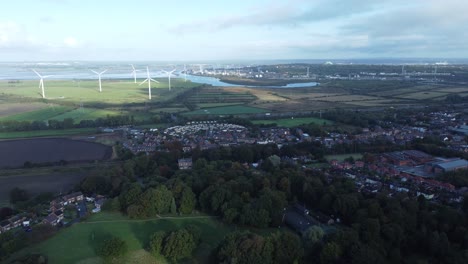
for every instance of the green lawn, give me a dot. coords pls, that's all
(227, 110)
(78, 242)
(293, 122)
(47, 133)
(342, 157)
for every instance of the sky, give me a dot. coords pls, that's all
(181, 30)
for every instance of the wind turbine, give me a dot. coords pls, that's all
(41, 82)
(149, 79)
(99, 75)
(185, 73)
(134, 72)
(169, 76)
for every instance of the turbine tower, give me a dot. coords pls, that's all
(99, 75)
(149, 79)
(169, 76)
(41, 82)
(134, 71)
(185, 73)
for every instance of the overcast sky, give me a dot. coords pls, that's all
(182, 30)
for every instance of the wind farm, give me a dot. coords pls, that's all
(148, 80)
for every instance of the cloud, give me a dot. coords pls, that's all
(287, 14)
(430, 27)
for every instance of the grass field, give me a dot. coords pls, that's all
(47, 133)
(77, 244)
(44, 114)
(87, 91)
(342, 157)
(227, 110)
(7, 109)
(289, 122)
(210, 105)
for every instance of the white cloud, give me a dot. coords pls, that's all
(70, 42)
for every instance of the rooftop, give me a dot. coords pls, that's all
(454, 164)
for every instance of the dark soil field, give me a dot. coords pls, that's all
(34, 184)
(15, 153)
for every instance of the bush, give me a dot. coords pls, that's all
(112, 248)
(156, 243)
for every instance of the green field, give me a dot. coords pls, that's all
(227, 110)
(47, 133)
(44, 114)
(78, 242)
(87, 91)
(210, 105)
(342, 157)
(81, 100)
(290, 122)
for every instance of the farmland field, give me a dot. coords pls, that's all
(36, 182)
(84, 238)
(43, 114)
(7, 109)
(15, 153)
(422, 95)
(219, 95)
(261, 94)
(87, 91)
(227, 110)
(47, 133)
(453, 90)
(346, 98)
(288, 122)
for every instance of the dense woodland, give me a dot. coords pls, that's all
(373, 229)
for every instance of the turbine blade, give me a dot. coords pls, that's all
(154, 80)
(143, 82)
(95, 72)
(36, 73)
(103, 71)
(132, 67)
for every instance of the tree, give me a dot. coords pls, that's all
(95, 184)
(312, 236)
(5, 212)
(178, 245)
(187, 201)
(112, 205)
(18, 195)
(156, 242)
(173, 206)
(163, 199)
(112, 248)
(131, 196)
(330, 253)
(245, 248)
(287, 248)
(148, 202)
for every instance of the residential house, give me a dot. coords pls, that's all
(73, 198)
(5, 226)
(51, 219)
(185, 164)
